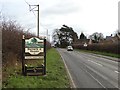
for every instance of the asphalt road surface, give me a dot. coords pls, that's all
(89, 71)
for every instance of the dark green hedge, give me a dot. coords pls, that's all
(106, 47)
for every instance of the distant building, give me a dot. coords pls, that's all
(108, 37)
(90, 41)
(83, 41)
(118, 35)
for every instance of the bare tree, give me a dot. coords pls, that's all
(96, 37)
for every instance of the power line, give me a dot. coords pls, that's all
(30, 7)
(26, 2)
(33, 8)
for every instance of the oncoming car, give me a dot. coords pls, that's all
(69, 48)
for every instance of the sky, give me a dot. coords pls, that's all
(87, 16)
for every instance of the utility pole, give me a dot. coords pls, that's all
(47, 34)
(33, 8)
(38, 21)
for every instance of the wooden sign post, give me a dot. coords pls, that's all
(34, 56)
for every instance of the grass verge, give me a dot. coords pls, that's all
(56, 75)
(101, 53)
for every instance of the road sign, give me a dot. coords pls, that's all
(34, 54)
(85, 45)
(34, 57)
(34, 51)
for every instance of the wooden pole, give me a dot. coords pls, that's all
(23, 54)
(38, 22)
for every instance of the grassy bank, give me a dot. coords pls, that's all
(101, 53)
(56, 75)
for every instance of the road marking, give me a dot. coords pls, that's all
(100, 75)
(116, 71)
(73, 84)
(95, 63)
(95, 78)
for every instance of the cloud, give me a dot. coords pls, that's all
(83, 15)
(59, 8)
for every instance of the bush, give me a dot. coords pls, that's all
(104, 47)
(12, 40)
(12, 34)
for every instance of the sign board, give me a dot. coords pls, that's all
(34, 47)
(34, 57)
(34, 54)
(85, 45)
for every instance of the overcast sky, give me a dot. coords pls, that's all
(87, 16)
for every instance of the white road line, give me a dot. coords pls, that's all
(116, 71)
(99, 75)
(73, 84)
(95, 79)
(95, 63)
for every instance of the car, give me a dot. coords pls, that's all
(69, 48)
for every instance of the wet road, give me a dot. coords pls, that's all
(89, 71)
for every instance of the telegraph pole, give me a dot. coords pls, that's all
(38, 21)
(47, 34)
(33, 8)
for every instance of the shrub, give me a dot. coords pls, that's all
(104, 47)
(12, 40)
(12, 46)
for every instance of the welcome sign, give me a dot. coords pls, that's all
(34, 51)
(34, 47)
(34, 56)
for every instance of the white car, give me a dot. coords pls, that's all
(69, 48)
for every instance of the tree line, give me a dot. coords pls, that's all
(67, 36)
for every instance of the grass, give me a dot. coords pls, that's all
(56, 75)
(101, 53)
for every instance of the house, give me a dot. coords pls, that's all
(110, 39)
(82, 41)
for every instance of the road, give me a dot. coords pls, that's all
(89, 71)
